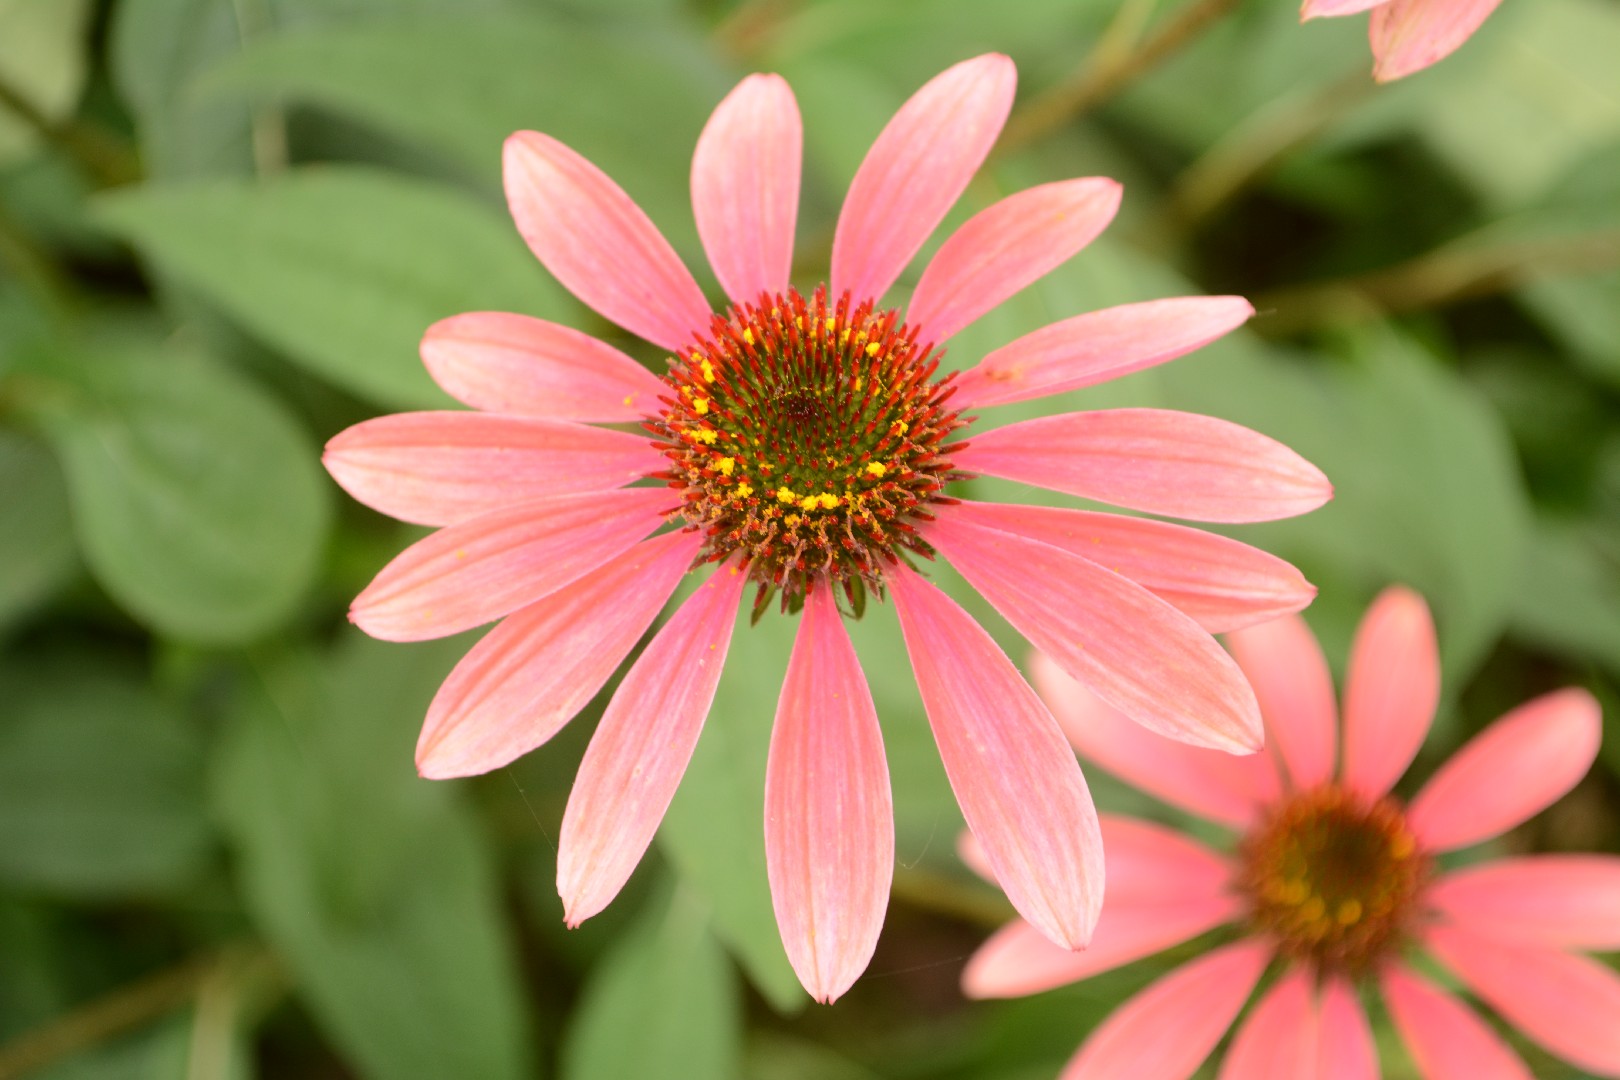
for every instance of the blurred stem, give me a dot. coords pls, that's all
(947, 895)
(1109, 68)
(1459, 271)
(1256, 145)
(108, 160)
(121, 1011)
(269, 125)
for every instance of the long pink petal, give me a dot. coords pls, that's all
(1158, 460)
(1391, 688)
(1015, 778)
(1144, 862)
(641, 748)
(1562, 901)
(1278, 1039)
(829, 821)
(1316, 9)
(438, 468)
(536, 670)
(1007, 246)
(1446, 1039)
(1020, 960)
(474, 572)
(1166, 1031)
(1512, 770)
(916, 170)
(1569, 1004)
(1409, 35)
(1290, 677)
(1221, 583)
(1345, 1047)
(1098, 346)
(745, 186)
(1227, 788)
(1132, 649)
(598, 242)
(506, 363)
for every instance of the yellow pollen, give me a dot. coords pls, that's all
(809, 502)
(831, 322)
(725, 465)
(701, 405)
(708, 371)
(877, 469)
(899, 427)
(1349, 912)
(785, 495)
(828, 501)
(748, 336)
(706, 436)
(743, 491)
(792, 521)
(873, 349)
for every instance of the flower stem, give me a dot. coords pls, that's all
(1107, 70)
(1462, 270)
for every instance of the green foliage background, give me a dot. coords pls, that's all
(224, 225)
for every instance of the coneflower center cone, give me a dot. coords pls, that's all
(1333, 878)
(808, 439)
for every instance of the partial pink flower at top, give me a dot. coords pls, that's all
(1333, 883)
(802, 444)
(1409, 35)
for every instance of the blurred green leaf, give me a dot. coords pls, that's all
(343, 268)
(42, 57)
(661, 1004)
(463, 85)
(196, 498)
(36, 534)
(376, 887)
(1568, 596)
(714, 832)
(100, 781)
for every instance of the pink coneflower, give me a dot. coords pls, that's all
(1409, 35)
(1334, 882)
(801, 444)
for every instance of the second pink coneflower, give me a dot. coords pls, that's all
(802, 444)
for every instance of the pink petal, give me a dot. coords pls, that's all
(1512, 770)
(642, 746)
(1000, 250)
(474, 572)
(915, 171)
(1278, 1039)
(829, 822)
(598, 243)
(1015, 778)
(515, 364)
(1569, 1004)
(1409, 35)
(1290, 677)
(1020, 960)
(539, 667)
(1132, 649)
(1445, 1038)
(1222, 787)
(438, 468)
(1391, 688)
(1345, 1047)
(745, 186)
(1221, 583)
(1158, 460)
(1561, 901)
(1316, 9)
(1166, 1031)
(1098, 346)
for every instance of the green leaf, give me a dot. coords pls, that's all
(100, 781)
(42, 57)
(630, 96)
(1568, 595)
(36, 534)
(662, 1004)
(196, 498)
(375, 886)
(342, 268)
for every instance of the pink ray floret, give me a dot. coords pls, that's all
(804, 445)
(1333, 882)
(1409, 35)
